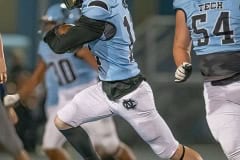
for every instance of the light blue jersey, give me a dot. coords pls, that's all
(210, 29)
(64, 71)
(114, 56)
(51, 87)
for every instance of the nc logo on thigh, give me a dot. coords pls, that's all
(129, 104)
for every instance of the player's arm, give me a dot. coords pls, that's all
(182, 41)
(12, 115)
(35, 79)
(86, 55)
(182, 48)
(86, 30)
(3, 68)
(10, 111)
(29, 86)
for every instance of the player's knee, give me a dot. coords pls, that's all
(56, 153)
(163, 148)
(104, 151)
(60, 124)
(49, 151)
(108, 147)
(50, 146)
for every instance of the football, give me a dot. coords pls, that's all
(63, 29)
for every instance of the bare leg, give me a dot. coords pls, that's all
(186, 153)
(22, 156)
(124, 153)
(78, 138)
(57, 153)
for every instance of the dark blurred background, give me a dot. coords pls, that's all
(181, 105)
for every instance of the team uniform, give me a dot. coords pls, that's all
(8, 136)
(133, 98)
(66, 76)
(214, 27)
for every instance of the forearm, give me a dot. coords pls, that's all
(33, 81)
(2, 58)
(25, 91)
(86, 55)
(85, 31)
(3, 67)
(1, 47)
(181, 55)
(182, 40)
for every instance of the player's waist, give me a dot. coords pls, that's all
(117, 89)
(220, 66)
(117, 75)
(226, 81)
(203, 50)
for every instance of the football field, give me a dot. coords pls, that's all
(208, 151)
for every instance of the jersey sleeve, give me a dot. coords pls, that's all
(186, 5)
(42, 49)
(99, 10)
(180, 4)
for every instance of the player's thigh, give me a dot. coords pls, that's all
(52, 138)
(67, 94)
(8, 136)
(223, 116)
(146, 120)
(225, 127)
(88, 105)
(103, 134)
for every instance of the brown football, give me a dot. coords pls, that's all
(63, 29)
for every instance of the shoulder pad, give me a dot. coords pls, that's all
(100, 4)
(96, 9)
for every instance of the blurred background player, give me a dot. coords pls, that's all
(214, 28)
(8, 136)
(66, 75)
(3, 68)
(107, 27)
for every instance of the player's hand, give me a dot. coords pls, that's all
(183, 72)
(10, 100)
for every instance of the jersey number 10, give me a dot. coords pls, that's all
(67, 74)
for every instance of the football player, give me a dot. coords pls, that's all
(65, 76)
(212, 27)
(107, 27)
(3, 68)
(8, 136)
